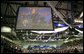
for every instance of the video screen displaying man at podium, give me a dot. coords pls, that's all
(34, 18)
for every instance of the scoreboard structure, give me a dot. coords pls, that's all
(34, 18)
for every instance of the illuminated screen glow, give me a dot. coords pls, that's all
(79, 26)
(34, 18)
(60, 25)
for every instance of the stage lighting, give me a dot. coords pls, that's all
(80, 26)
(5, 29)
(1, 17)
(60, 25)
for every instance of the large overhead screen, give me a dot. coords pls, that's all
(37, 18)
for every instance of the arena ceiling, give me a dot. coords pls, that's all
(9, 10)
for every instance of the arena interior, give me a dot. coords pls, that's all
(42, 27)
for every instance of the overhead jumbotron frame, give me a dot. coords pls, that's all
(35, 18)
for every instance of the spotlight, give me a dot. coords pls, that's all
(59, 24)
(1, 17)
(5, 29)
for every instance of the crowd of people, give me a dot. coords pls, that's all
(75, 43)
(55, 51)
(75, 46)
(70, 47)
(65, 50)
